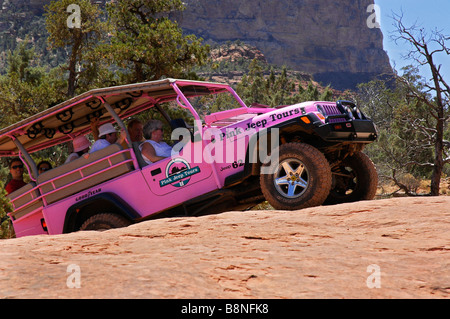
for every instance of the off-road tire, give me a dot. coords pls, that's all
(105, 221)
(315, 179)
(360, 185)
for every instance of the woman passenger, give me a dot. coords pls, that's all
(154, 149)
(81, 146)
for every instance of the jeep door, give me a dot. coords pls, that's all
(182, 176)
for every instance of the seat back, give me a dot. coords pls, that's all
(83, 173)
(137, 152)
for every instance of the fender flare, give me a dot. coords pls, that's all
(250, 166)
(254, 140)
(110, 200)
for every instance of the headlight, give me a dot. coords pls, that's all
(349, 112)
(321, 110)
(322, 115)
(357, 113)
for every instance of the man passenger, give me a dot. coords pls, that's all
(107, 136)
(136, 130)
(16, 170)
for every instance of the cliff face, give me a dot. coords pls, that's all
(329, 39)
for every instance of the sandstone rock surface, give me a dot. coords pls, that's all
(322, 252)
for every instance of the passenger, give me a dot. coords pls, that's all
(107, 136)
(154, 149)
(136, 129)
(80, 146)
(16, 171)
(44, 166)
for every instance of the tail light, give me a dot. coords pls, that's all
(44, 224)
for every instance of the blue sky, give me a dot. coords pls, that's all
(430, 14)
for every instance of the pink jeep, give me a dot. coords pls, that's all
(294, 157)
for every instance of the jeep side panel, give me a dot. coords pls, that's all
(123, 187)
(30, 224)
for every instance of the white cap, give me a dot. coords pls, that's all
(107, 128)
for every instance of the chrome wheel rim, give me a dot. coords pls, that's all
(291, 179)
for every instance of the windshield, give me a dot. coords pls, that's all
(207, 104)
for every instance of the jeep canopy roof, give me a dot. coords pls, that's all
(71, 118)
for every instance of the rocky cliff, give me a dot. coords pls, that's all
(329, 39)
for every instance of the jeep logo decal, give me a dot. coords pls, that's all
(178, 173)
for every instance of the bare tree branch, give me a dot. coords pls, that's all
(424, 47)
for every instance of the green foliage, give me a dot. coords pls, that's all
(83, 67)
(6, 230)
(146, 45)
(25, 89)
(274, 90)
(30, 85)
(405, 146)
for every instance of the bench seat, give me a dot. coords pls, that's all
(53, 183)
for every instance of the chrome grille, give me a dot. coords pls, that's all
(332, 109)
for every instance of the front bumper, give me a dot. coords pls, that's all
(357, 131)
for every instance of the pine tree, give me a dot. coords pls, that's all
(26, 89)
(146, 44)
(78, 31)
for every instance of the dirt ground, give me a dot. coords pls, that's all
(395, 248)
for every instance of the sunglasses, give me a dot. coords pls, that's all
(43, 169)
(17, 166)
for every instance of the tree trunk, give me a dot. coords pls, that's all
(138, 72)
(439, 104)
(439, 142)
(438, 158)
(73, 62)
